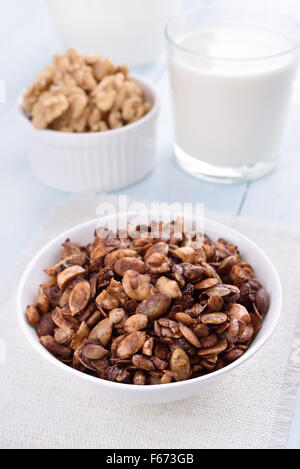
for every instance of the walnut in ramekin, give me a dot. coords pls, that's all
(84, 94)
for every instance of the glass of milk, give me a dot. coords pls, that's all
(231, 72)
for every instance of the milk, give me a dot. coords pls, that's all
(127, 31)
(230, 96)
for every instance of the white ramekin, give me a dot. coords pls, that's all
(101, 161)
(83, 234)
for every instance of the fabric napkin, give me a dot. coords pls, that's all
(41, 407)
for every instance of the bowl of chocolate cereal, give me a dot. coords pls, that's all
(149, 313)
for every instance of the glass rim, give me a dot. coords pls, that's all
(278, 14)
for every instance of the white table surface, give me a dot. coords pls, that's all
(27, 43)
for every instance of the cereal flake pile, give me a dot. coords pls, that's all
(84, 94)
(146, 310)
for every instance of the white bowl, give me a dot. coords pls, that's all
(49, 255)
(100, 161)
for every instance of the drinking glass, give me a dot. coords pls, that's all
(127, 31)
(231, 73)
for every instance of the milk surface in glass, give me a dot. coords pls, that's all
(231, 87)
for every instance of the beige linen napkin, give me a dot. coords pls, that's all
(40, 407)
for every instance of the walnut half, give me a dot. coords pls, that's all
(84, 94)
